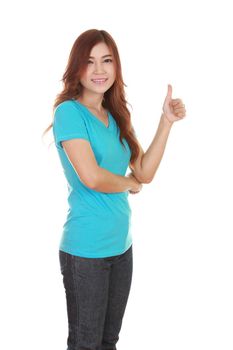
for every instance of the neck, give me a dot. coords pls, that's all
(92, 101)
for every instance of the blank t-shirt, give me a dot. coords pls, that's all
(97, 224)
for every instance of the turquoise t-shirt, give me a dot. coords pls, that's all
(98, 224)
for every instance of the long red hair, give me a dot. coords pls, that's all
(114, 99)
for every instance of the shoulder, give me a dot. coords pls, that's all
(67, 109)
(68, 105)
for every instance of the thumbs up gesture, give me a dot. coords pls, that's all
(173, 109)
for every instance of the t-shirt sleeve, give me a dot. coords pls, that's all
(68, 123)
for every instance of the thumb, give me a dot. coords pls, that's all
(169, 92)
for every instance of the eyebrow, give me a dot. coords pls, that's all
(102, 56)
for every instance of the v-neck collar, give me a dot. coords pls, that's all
(94, 116)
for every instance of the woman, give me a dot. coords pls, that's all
(96, 143)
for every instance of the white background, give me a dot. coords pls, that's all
(181, 294)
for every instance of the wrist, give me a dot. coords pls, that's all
(165, 120)
(131, 181)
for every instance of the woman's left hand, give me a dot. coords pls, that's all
(130, 191)
(173, 109)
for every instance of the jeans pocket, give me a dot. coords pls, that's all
(63, 258)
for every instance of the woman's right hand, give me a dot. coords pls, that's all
(136, 186)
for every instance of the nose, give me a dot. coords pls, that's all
(98, 67)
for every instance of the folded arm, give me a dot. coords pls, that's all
(82, 159)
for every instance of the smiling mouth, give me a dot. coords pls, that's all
(99, 81)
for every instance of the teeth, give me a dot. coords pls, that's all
(99, 80)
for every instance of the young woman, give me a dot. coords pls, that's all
(96, 143)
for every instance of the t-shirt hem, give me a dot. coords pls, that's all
(80, 254)
(69, 137)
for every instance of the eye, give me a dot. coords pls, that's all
(107, 60)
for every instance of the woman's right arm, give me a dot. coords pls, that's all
(109, 182)
(82, 158)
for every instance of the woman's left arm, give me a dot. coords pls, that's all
(173, 110)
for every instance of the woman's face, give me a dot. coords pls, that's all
(99, 66)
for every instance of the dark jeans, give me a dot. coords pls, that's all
(97, 291)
